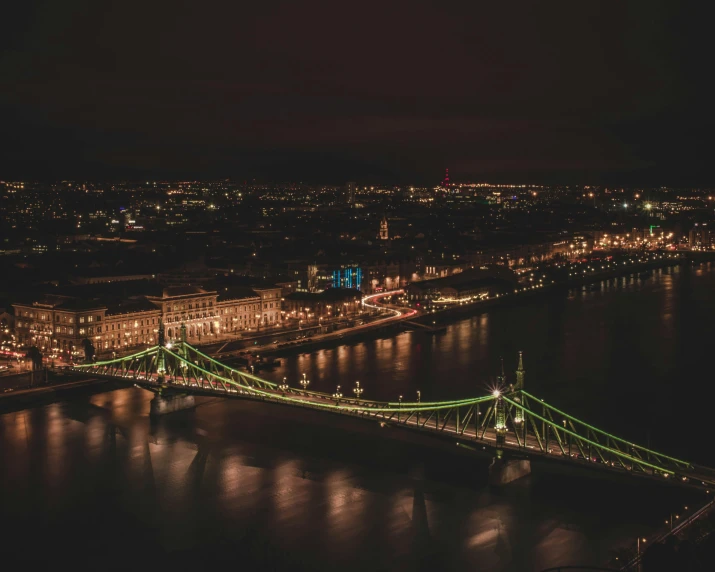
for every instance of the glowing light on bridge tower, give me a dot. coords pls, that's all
(500, 424)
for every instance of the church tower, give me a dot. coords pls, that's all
(383, 229)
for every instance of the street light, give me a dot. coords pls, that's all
(305, 382)
(358, 391)
(337, 395)
(639, 551)
(399, 407)
(284, 386)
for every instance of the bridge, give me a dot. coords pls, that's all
(511, 422)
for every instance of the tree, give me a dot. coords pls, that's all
(89, 350)
(35, 356)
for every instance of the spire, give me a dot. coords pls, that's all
(520, 372)
(501, 378)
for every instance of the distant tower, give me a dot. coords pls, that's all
(383, 229)
(350, 192)
(520, 373)
(445, 182)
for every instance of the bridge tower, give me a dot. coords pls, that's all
(503, 471)
(500, 424)
(183, 351)
(160, 358)
(520, 374)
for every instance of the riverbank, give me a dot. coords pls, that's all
(47, 392)
(447, 315)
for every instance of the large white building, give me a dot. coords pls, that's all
(62, 323)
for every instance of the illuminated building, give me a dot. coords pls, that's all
(384, 234)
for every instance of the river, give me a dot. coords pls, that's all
(91, 481)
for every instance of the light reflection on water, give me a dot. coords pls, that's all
(279, 488)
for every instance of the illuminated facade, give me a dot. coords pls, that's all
(347, 277)
(62, 323)
(384, 233)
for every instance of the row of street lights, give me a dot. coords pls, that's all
(304, 382)
(644, 540)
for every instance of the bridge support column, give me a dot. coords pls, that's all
(169, 402)
(504, 471)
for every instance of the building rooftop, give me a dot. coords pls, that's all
(237, 293)
(130, 306)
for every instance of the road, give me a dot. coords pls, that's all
(395, 314)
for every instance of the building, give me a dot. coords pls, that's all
(350, 189)
(55, 322)
(347, 276)
(384, 234)
(63, 323)
(312, 307)
(238, 309)
(465, 285)
(190, 305)
(700, 238)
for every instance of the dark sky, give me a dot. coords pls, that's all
(331, 91)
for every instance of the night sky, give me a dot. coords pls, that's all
(386, 91)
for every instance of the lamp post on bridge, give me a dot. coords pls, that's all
(305, 382)
(419, 395)
(284, 386)
(358, 391)
(337, 395)
(399, 408)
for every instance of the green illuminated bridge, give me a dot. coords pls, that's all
(511, 422)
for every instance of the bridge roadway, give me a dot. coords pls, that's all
(423, 417)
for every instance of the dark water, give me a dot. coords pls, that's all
(92, 483)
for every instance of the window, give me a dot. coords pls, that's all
(70, 331)
(99, 329)
(81, 331)
(91, 331)
(81, 319)
(99, 318)
(90, 319)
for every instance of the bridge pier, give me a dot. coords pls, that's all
(504, 471)
(169, 402)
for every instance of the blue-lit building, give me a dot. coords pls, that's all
(347, 277)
